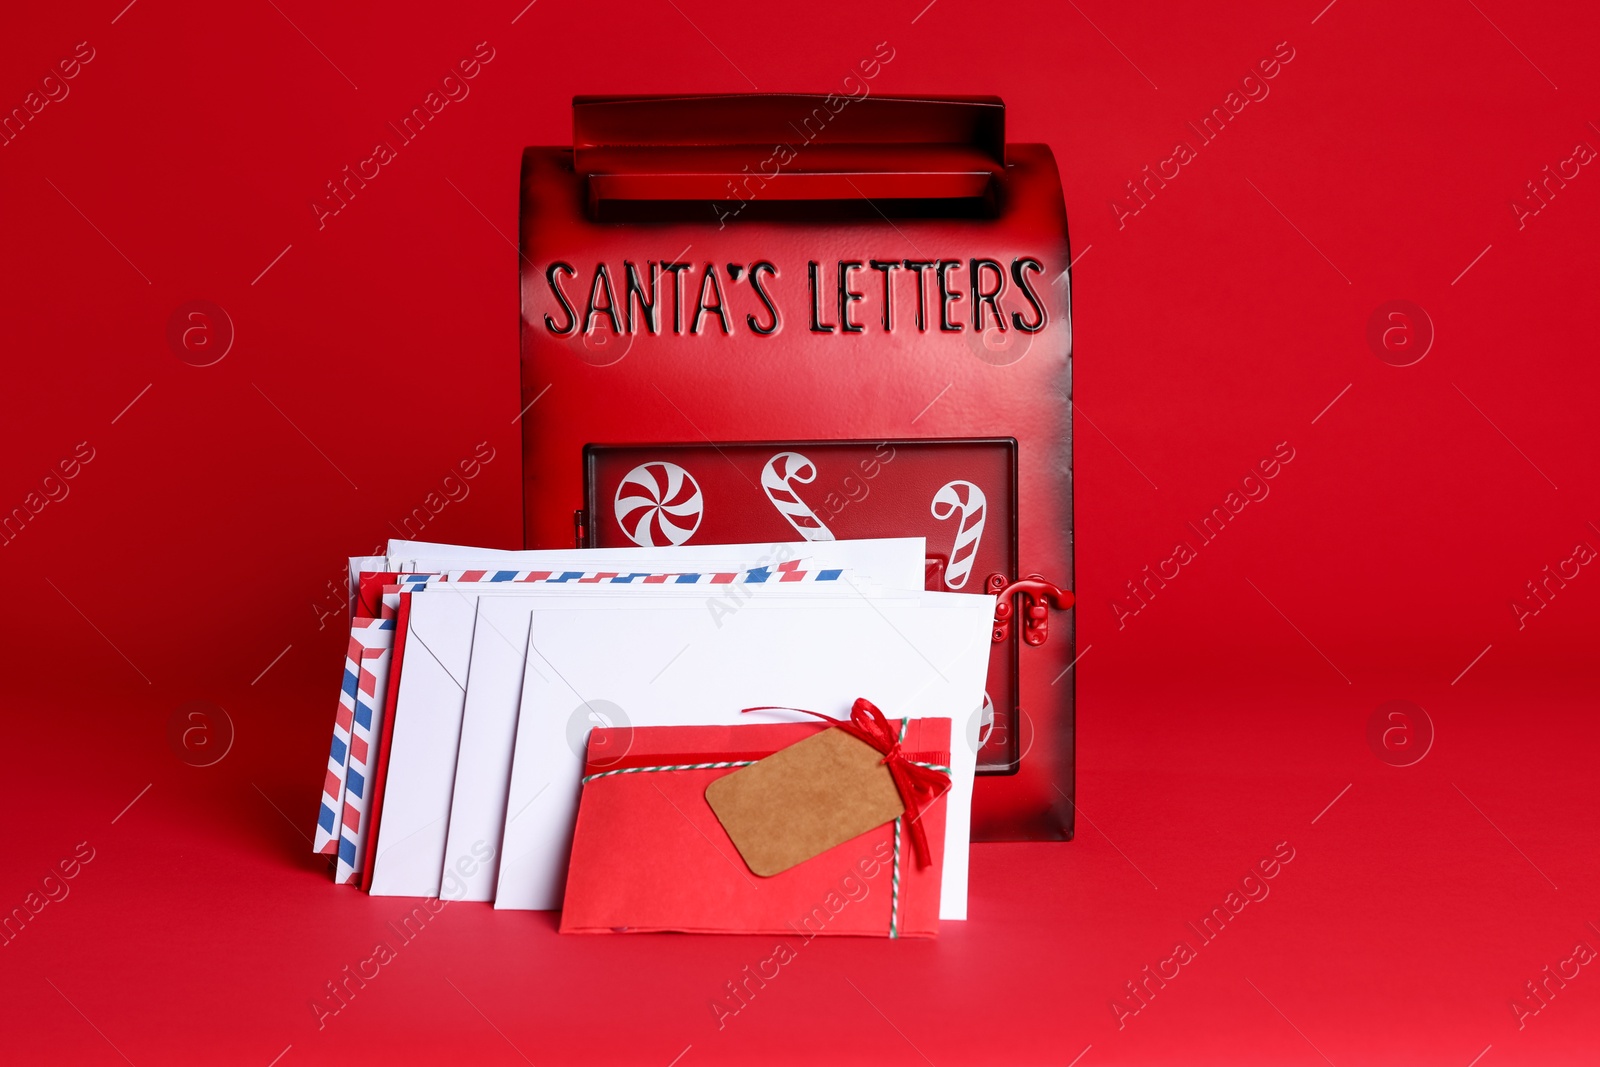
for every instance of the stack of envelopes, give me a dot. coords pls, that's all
(475, 679)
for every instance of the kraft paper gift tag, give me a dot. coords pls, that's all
(805, 799)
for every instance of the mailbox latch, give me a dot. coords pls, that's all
(1037, 597)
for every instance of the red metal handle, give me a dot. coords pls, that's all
(1037, 596)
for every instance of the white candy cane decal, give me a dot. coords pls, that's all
(659, 504)
(778, 477)
(967, 500)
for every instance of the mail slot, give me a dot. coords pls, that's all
(791, 317)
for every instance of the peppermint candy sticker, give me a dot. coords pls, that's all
(659, 504)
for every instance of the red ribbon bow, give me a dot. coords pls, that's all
(918, 785)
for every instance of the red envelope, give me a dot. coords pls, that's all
(380, 776)
(369, 592)
(649, 854)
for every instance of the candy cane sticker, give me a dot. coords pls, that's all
(659, 504)
(778, 478)
(981, 725)
(967, 500)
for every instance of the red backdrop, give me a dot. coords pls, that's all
(189, 556)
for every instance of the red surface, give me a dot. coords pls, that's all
(199, 542)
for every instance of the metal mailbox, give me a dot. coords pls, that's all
(787, 317)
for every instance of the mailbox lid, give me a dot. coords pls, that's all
(727, 148)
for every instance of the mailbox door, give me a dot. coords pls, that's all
(958, 494)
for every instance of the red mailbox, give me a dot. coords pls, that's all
(786, 317)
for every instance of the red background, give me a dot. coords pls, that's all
(193, 553)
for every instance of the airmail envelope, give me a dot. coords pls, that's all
(420, 754)
(424, 736)
(886, 559)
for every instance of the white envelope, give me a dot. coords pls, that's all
(420, 773)
(494, 692)
(414, 827)
(675, 666)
